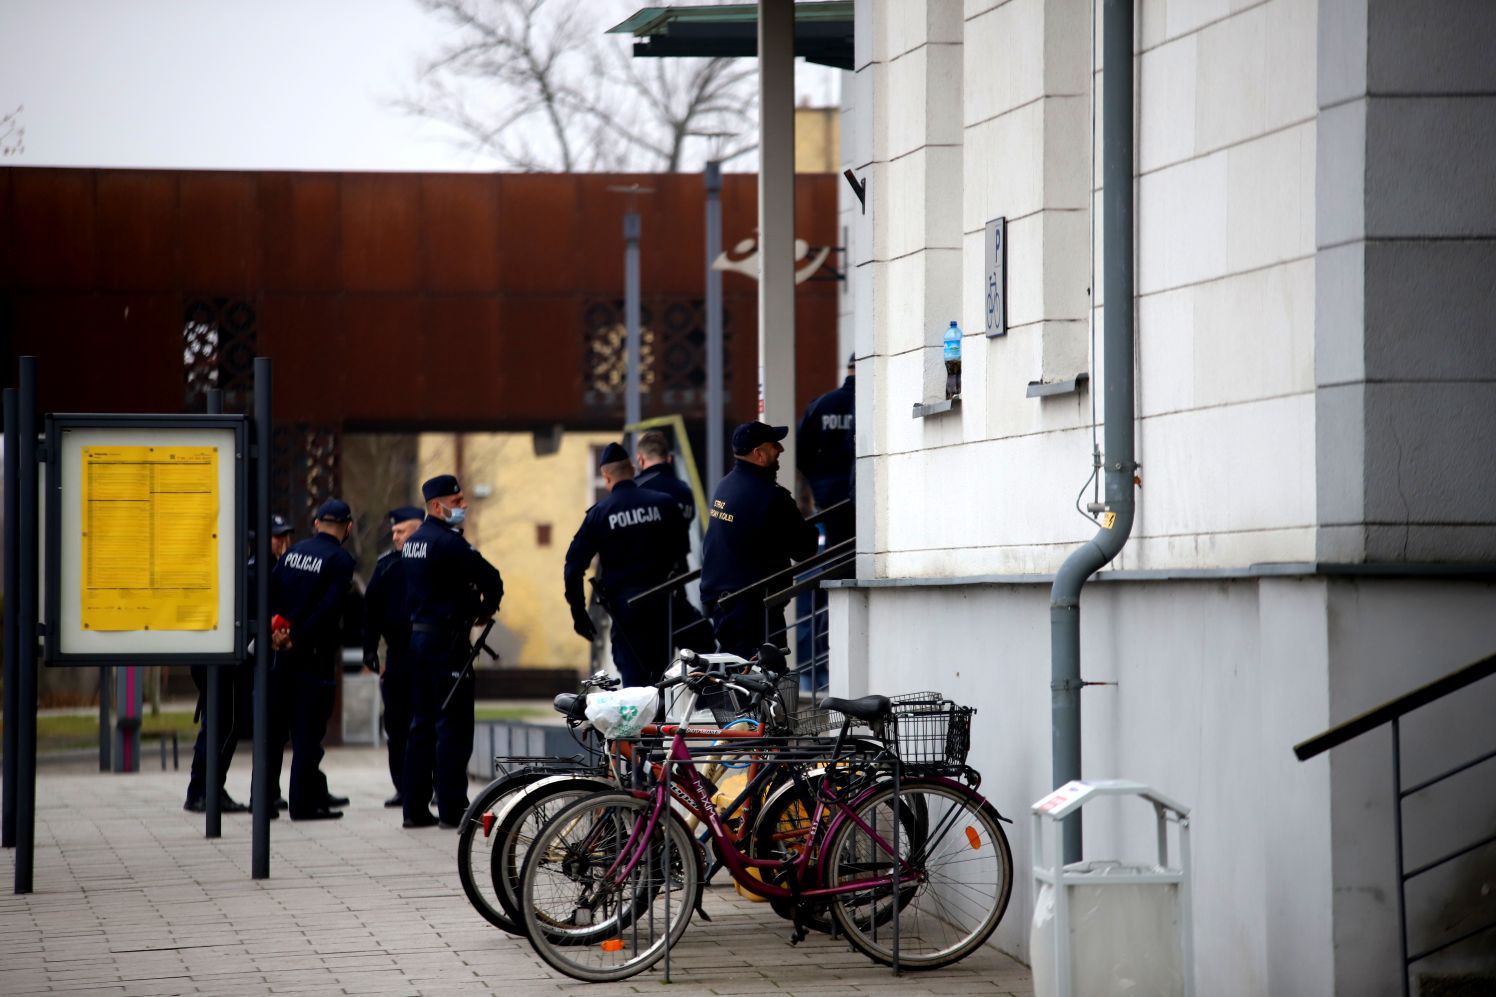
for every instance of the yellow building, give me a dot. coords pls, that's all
(522, 511)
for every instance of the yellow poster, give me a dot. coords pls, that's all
(150, 538)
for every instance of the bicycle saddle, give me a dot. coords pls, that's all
(572, 705)
(864, 708)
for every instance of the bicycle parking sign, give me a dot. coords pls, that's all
(995, 277)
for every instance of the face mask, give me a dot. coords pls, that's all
(455, 516)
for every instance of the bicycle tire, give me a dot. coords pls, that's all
(487, 799)
(953, 903)
(517, 824)
(570, 859)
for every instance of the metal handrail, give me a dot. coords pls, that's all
(830, 553)
(680, 581)
(786, 594)
(1372, 719)
(668, 585)
(1392, 713)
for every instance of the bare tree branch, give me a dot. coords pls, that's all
(536, 85)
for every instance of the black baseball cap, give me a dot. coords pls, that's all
(333, 511)
(440, 487)
(405, 513)
(751, 434)
(612, 454)
(280, 525)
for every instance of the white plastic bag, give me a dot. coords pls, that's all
(622, 713)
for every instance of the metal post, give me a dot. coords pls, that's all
(26, 618)
(212, 722)
(776, 219)
(714, 385)
(1397, 825)
(1116, 524)
(106, 678)
(260, 801)
(632, 411)
(12, 632)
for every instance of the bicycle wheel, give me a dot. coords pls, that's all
(515, 828)
(959, 878)
(596, 890)
(474, 848)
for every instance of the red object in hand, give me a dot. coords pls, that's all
(279, 622)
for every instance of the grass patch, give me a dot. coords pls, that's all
(68, 731)
(513, 714)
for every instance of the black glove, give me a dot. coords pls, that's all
(582, 623)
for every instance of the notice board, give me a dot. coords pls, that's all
(145, 539)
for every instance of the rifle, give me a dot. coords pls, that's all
(481, 644)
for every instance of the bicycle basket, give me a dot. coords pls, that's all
(933, 734)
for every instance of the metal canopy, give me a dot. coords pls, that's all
(823, 31)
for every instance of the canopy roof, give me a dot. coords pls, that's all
(823, 31)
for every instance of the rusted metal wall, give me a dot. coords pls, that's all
(399, 301)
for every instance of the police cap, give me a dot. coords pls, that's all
(280, 525)
(751, 434)
(404, 514)
(333, 511)
(612, 454)
(440, 487)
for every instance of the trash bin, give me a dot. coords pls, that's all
(361, 706)
(1110, 927)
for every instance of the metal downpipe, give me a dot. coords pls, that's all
(1118, 408)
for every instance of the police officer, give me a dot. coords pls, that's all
(307, 588)
(755, 529)
(825, 452)
(235, 696)
(657, 472)
(448, 586)
(386, 616)
(642, 542)
(656, 463)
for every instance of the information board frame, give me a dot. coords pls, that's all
(64, 644)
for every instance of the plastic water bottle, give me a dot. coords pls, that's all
(953, 360)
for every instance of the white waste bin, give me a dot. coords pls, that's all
(361, 706)
(1105, 928)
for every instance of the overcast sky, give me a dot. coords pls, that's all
(235, 84)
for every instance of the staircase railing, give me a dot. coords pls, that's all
(1392, 713)
(814, 652)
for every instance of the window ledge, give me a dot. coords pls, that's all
(1043, 389)
(925, 409)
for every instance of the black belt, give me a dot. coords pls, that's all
(432, 628)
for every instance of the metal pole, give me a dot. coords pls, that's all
(632, 409)
(776, 220)
(212, 722)
(714, 386)
(106, 677)
(12, 632)
(26, 617)
(1119, 409)
(1402, 882)
(260, 801)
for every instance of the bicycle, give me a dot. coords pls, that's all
(888, 854)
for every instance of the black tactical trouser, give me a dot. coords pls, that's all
(440, 743)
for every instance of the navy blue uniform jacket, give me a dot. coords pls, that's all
(755, 529)
(385, 614)
(640, 535)
(661, 478)
(825, 445)
(307, 587)
(448, 584)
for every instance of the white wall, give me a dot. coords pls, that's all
(1226, 282)
(1216, 682)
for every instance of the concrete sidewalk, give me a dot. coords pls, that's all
(131, 899)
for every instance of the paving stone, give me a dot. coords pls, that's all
(132, 899)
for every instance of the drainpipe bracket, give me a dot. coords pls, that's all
(1066, 685)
